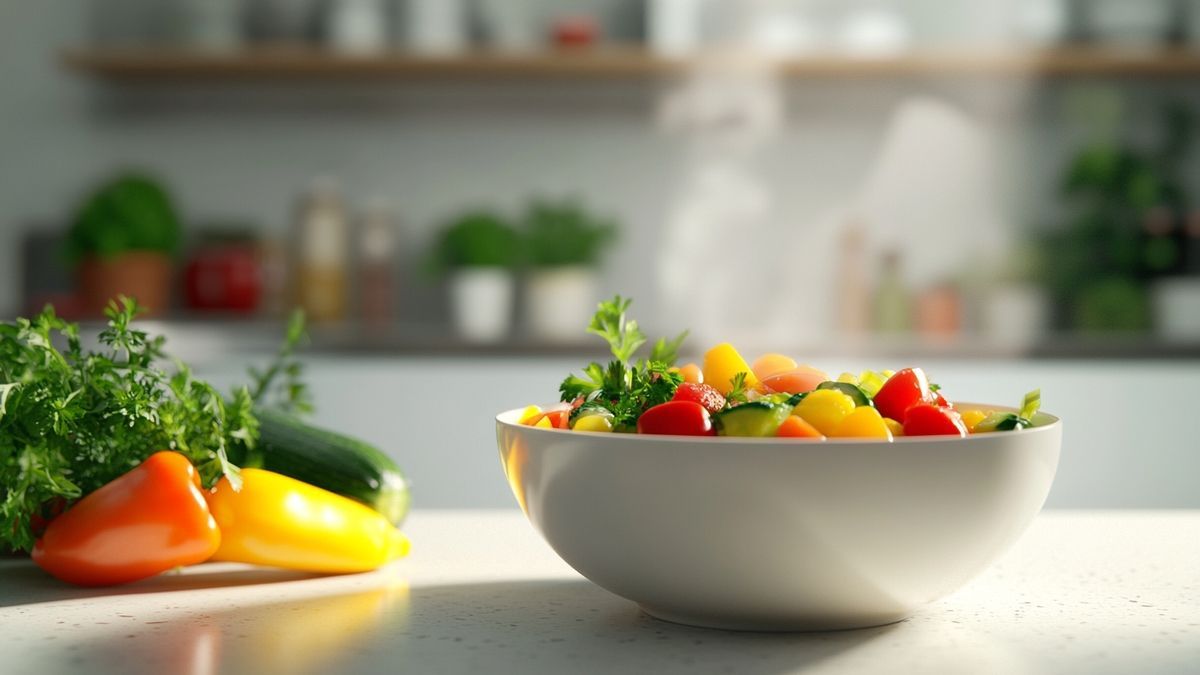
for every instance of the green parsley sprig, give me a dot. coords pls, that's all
(625, 389)
(72, 420)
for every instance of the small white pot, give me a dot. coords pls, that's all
(436, 27)
(1177, 307)
(1015, 314)
(560, 301)
(481, 300)
(511, 25)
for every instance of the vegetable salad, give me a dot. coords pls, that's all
(773, 397)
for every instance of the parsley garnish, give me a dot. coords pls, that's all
(623, 336)
(625, 389)
(667, 351)
(738, 392)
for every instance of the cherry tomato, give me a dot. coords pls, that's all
(902, 391)
(940, 400)
(559, 418)
(704, 394)
(928, 419)
(676, 418)
(556, 419)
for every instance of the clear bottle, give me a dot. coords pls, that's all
(893, 312)
(322, 246)
(377, 237)
(853, 299)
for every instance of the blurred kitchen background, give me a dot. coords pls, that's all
(1006, 192)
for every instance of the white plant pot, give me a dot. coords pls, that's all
(1177, 307)
(559, 302)
(512, 25)
(481, 301)
(436, 27)
(1015, 314)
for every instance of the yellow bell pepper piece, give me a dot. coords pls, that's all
(279, 521)
(825, 409)
(862, 422)
(893, 426)
(972, 417)
(544, 423)
(530, 412)
(602, 423)
(721, 364)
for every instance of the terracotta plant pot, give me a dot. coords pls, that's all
(144, 275)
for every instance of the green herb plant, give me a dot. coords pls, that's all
(477, 239)
(623, 388)
(132, 212)
(71, 419)
(1098, 258)
(564, 233)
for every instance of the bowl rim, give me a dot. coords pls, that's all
(508, 418)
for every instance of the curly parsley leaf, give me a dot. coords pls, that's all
(623, 389)
(667, 351)
(623, 336)
(282, 385)
(738, 393)
(73, 420)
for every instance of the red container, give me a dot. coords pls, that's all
(225, 278)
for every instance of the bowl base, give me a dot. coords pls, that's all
(774, 625)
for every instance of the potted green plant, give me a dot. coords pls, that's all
(478, 252)
(123, 242)
(563, 245)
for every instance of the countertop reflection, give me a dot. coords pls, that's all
(1084, 591)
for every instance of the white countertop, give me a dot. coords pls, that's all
(1083, 592)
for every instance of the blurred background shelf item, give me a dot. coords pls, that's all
(304, 62)
(205, 337)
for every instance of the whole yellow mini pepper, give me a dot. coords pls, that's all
(282, 522)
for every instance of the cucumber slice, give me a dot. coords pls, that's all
(852, 390)
(1000, 421)
(757, 419)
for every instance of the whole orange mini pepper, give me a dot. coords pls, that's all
(145, 522)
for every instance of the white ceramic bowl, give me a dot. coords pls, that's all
(779, 534)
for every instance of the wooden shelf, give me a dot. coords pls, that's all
(158, 63)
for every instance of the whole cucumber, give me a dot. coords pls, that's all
(328, 460)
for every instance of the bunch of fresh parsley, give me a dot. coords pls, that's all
(625, 389)
(72, 420)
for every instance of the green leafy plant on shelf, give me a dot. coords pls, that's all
(1098, 259)
(132, 212)
(473, 240)
(564, 233)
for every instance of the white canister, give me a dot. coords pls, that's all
(436, 26)
(1177, 308)
(512, 25)
(675, 26)
(357, 26)
(558, 301)
(481, 300)
(1015, 314)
